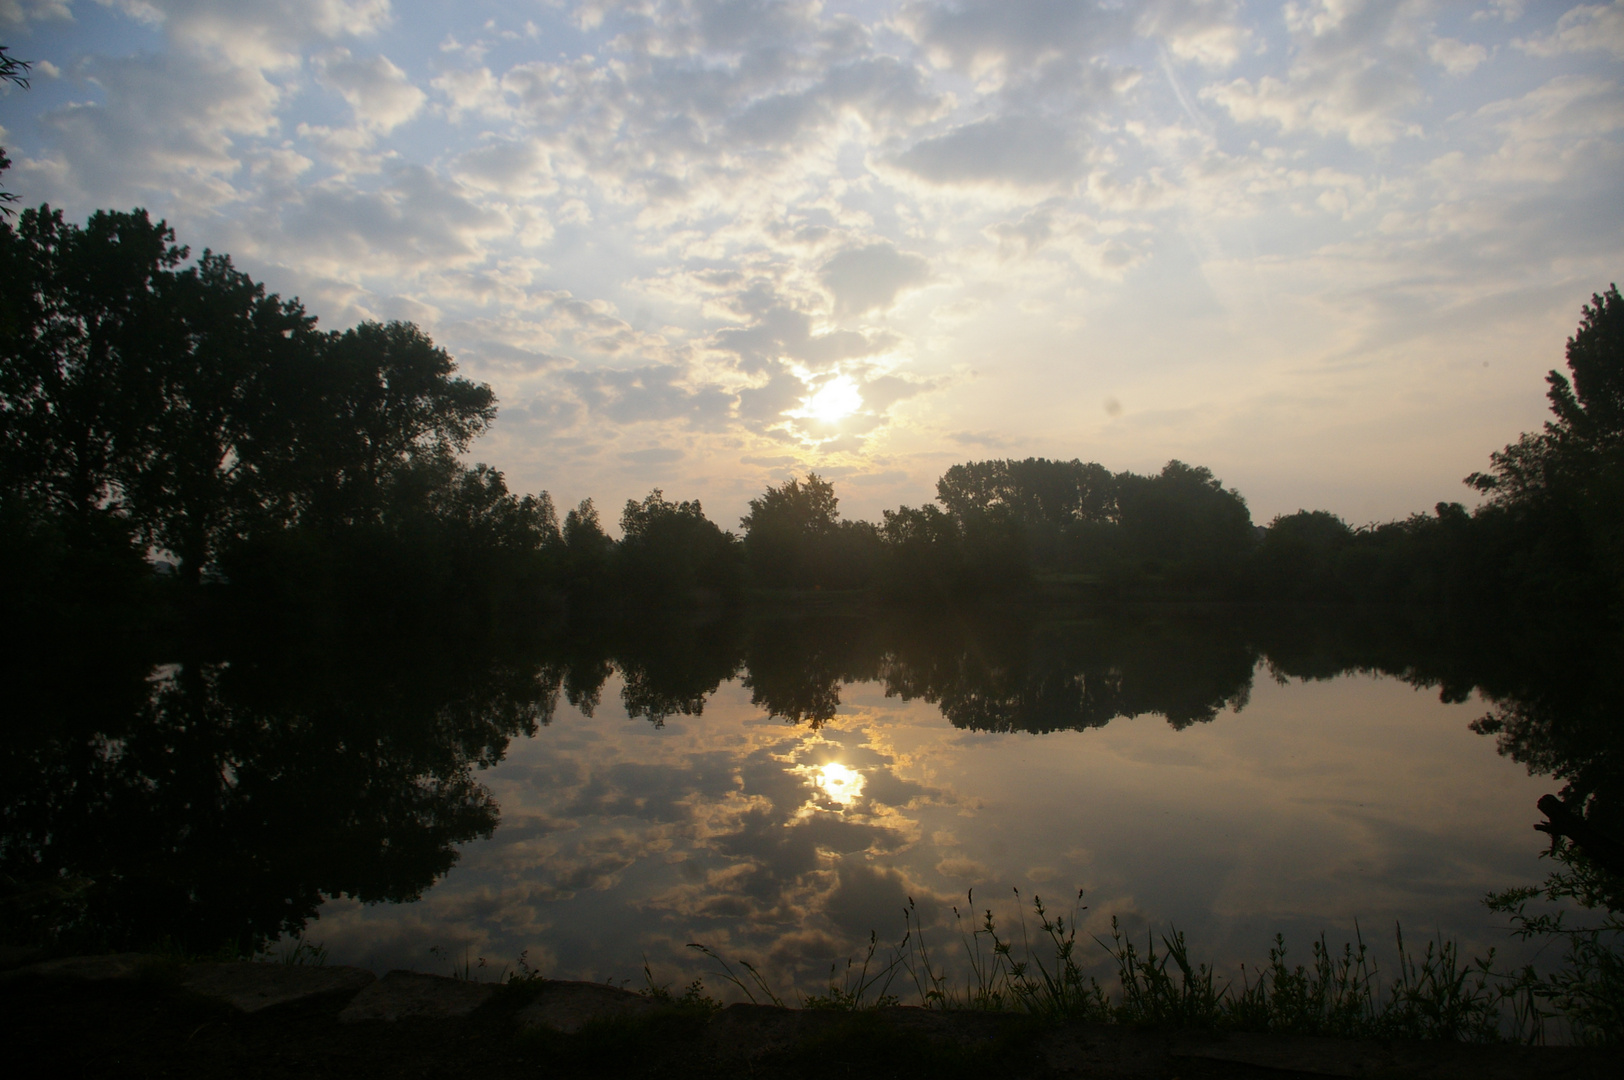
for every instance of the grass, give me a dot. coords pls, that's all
(1432, 992)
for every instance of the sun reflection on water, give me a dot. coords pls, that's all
(842, 785)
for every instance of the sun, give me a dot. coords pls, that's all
(841, 784)
(834, 401)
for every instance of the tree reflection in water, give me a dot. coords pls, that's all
(218, 798)
(215, 802)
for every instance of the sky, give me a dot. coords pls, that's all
(1326, 248)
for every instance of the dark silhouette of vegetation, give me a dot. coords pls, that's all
(215, 802)
(163, 411)
(15, 72)
(794, 539)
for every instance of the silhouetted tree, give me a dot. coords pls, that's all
(794, 538)
(1183, 525)
(153, 405)
(587, 554)
(1557, 495)
(1301, 556)
(14, 71)
(672, 552)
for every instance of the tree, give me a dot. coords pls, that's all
(84, 334)
(1589, 411)
(1183, 523)
(219, 440)
(1035, 491)
(151, 404)
(1558, 494)
(670, 551)
(14, 71)
(787, 533)
(387, 397)
(587, 553)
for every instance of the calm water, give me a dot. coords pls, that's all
(779, 788)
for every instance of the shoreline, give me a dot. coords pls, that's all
(143, 1015)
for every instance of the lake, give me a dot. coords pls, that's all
(777, 788)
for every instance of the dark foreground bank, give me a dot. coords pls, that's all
(132, 1015)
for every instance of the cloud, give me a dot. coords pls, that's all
(1208, 32)
(19, 13)
(654, 455)
(997, 38)
(417, 222)
(1354, 74)
(1456, 57)
(170, 123)
(263, 34)
(378, 92)
(863, 279)
(1586, 28)
(514, 168)
(653, 392)
(1020, 150)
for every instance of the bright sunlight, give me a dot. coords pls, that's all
(840, 783)
(835, 400)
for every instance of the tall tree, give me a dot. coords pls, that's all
(389, 396)
(1558, 494)
(83, 337)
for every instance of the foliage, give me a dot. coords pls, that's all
(794, 538)
(670, 552)
(1587, 991)
(1183, 525)
(14, 71)
(151, 404)
(1557, 491)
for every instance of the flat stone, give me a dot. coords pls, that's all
(1292, 1053)
(252, 987)
(88, 968)
(408, 995)
(752, 1031)
(570, 1006)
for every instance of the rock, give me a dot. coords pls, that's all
(407, 995)
(753, 1031)
(1291, 1053)
(15, 956)
(88, 968)
(570, 1006)
(252, 987)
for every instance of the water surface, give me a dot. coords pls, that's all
(778, 788)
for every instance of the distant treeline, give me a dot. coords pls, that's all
(156, 413)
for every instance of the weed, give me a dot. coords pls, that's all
(859, 990)
(692, 999)
(470, 968)
(729, 975)
(301, 954)
(1337, 996)
(1150, 995)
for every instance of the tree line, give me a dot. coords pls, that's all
(159, 410)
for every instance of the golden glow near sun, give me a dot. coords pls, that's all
(841, 784)
(834, 400)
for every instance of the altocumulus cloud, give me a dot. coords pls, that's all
(656, 226)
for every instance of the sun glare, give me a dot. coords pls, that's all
(835, 400)
(840, 783)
